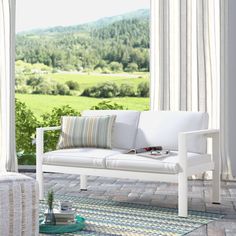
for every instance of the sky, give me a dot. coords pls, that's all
(32, 14)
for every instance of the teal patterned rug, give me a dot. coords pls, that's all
(109, 218)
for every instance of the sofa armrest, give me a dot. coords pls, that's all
(40, 138)
(39, 152)
(49, 128)
(209, 133)
(205, 132)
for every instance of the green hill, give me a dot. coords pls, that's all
(114, 43)
(139, 14)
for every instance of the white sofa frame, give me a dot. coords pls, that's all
(181, 178)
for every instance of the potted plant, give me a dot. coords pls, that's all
(50, 217)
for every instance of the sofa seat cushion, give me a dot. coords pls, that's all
(168, 165)
(80, 157)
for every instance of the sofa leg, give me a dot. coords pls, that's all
(215, 187)
(83, 182)
(216, 172)
(182, 195)
(39, 178)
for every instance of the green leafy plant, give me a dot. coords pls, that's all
(26, 124)
(62, 89)
(116, 66)
(45, 87)
(73, 85)
(104, 90)
(49, 86)
(23, 89)
(143, 89)
(27, 159)
(107, 105)
(50, 199)
(34, 81)
(126, 90)
(132, 67)
(53, 118)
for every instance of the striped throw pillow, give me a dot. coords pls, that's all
(86, 131)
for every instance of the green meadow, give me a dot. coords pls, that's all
(40, 104)
(88, 80)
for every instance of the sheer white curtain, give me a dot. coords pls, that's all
(186, 58)
(8, 160)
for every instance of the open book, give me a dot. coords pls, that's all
(145, 149)
(151, 152)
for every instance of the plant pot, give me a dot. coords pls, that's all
(50, 217)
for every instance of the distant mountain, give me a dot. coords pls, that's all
(106, 21)
(139, 14)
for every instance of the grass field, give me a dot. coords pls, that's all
(40, 104)
(88, 80)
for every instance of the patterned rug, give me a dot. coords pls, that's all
(109, 218)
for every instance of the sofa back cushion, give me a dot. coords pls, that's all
(125, 128)
(161, 128)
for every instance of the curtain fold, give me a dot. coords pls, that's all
(224, 83)
(8, 161)
(186, 62)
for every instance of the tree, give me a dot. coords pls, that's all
(20, 79)
(73, 85)
(26, 124)
(101, 64)
(126, 90)
(132, 67)
(46, 87)
(104, 90)
(63, 89)
(143, 89)
(116, 66)
(87, 48)
(34, 81)
(23, 89)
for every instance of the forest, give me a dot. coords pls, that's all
(119, 46)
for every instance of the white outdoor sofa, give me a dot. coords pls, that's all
(184, 133)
